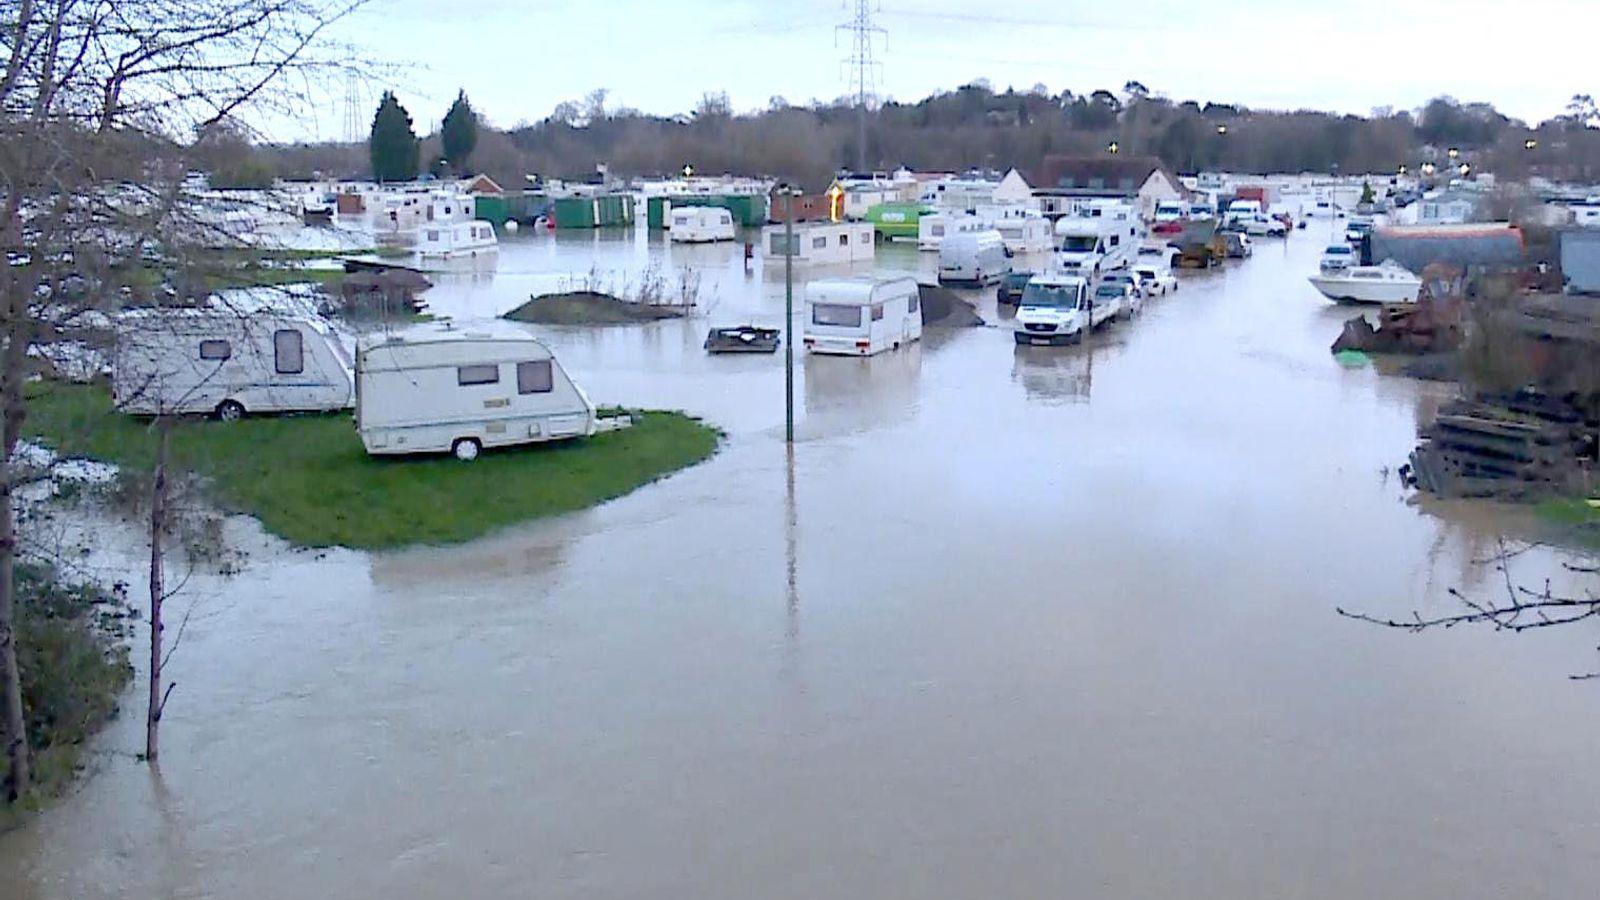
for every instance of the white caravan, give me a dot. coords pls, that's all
(1058, 309)
(450, 232)
(861, 316)
(228, 363)
(700, 225)
(978, 257)
(933, 228)
(438, 388)
(1025, 234)
(1099, 238)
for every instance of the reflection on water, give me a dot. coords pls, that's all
(846, 393)
(963, 639)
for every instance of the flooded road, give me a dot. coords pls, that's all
(1015, 623)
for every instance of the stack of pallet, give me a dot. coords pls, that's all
(1521, 446)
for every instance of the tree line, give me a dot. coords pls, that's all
(970, 127)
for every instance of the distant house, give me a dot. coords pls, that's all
(1141, 180)
(1450, 207)
(1585, 213)
(482, 185)
(1013, 189)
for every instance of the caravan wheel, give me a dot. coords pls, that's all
(230, 410)
(466, 449)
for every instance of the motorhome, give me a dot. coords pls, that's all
(227, 363)
(1058, 309)
(1025, 233)
(861, 316)
(1101, 237)
(700, 225)
(933, 229)
(978, 257)
(461, 389)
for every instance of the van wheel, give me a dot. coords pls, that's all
(230, 411)
(466, 449)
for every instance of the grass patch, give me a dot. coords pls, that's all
(310, 482)
(1573, 516)
(74, 665)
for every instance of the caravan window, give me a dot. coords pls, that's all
(844, 239)
(877, 312)
(216, 350)
(819, 243)
(470, 375)
(534, 377)
(913, 302)
(833, 314)
(288, 352)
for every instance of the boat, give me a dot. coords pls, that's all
(742, 339)
(1386, 283)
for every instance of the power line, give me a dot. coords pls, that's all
(863, 69)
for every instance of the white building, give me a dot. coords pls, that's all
(822, 243)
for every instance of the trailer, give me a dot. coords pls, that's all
(861, 316)
(463, 389)
(228, 363)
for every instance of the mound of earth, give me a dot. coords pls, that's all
(944, 308)
(590, 308)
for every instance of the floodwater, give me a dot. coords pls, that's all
(1012, 623)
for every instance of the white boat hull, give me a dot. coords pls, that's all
(1340, 288)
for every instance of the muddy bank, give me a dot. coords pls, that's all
(944, 308)
(591, 308)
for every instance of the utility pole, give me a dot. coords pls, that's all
(862, 69)
(788, 315)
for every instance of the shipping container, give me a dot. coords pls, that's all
(603, 211)
(490, 208)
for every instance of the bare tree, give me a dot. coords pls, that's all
(1517, 609)
(98, 102)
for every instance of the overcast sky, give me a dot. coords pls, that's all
(517, 59)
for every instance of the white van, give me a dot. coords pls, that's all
(228, 363)
(462, 388)
(701, 224)
(861, 316)
(1058, 309)
(977, 257)
(1243, 212)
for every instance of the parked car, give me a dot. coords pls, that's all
(1155, 280)
(1119, 296)
(1011, 287)
(1239, 246)
(1124, 276)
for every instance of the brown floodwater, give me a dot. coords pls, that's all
(1013, 623)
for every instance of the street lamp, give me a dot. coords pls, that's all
(1530, 144)
(1403, 169)
(1112, 148)
(1427, 169)
(1465, 170)
(688, 171)
(788, 193)
(1222, 130)
(1453, 153)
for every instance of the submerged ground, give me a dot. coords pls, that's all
(1006, 622)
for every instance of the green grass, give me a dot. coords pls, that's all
(1573, 516)
(309, 481)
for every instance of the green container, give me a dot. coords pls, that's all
(655, 213)
(574, 212)
(491, 209)
(896, 220)
(749, 210)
